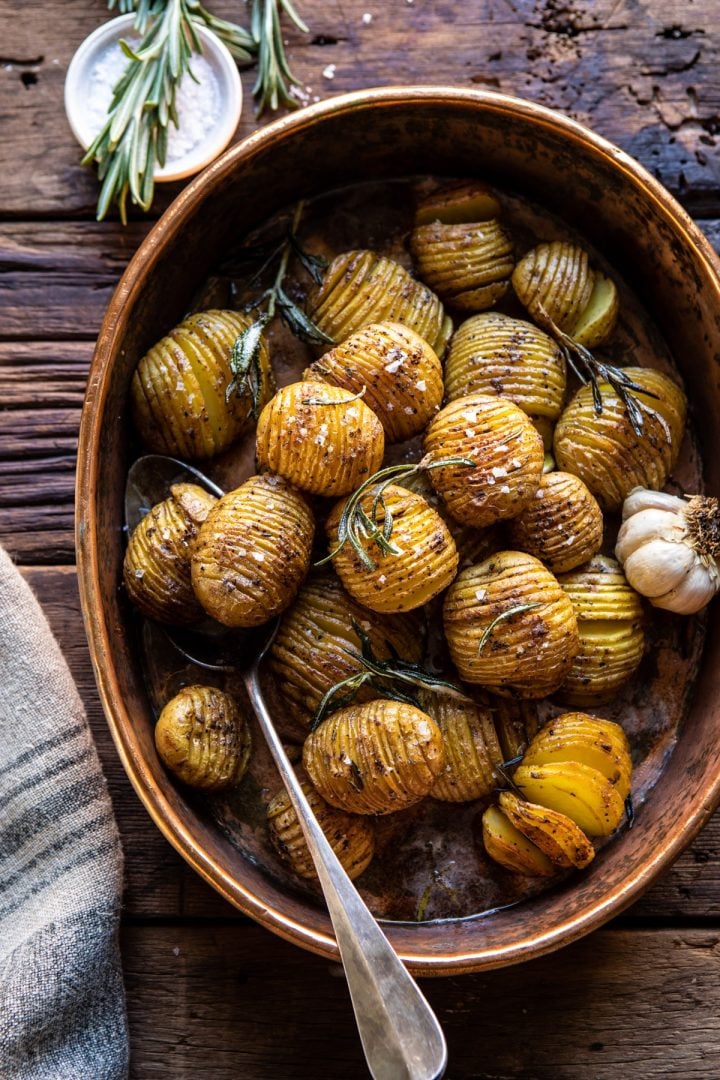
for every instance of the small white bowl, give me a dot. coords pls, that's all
(85, 126)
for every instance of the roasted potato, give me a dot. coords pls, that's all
(375, 758)
(352, 838)
(472, 749)
(203, 738)
(316, 645)
(320, 438)
(557, 285)
(506, 845)
(179, 390)
(504, 448)
(509, 626)
(156, 568)
(252, 552)
(495, 355)
(604, 451)
(562, 526)
(397, 372)
(424, 564)
(362, 287)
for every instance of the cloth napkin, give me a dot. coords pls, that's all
(62, 1007)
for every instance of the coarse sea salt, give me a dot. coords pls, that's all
(198, 104)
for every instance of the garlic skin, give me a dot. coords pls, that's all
(669, 548)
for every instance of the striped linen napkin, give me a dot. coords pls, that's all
(62, 1008)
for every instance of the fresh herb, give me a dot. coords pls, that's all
(343, 401)
(357, 526)
(133, 140)
(274, 299)
(629, 812)
(508, 614)
(589, 369)
(245, 365)
(505, 778)
(382, 676)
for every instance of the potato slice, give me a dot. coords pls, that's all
(455, 204)
(579, 791)
(555, 834)
(598, 318)
(507, 846)
(600, 744)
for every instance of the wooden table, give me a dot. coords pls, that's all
(209, 993)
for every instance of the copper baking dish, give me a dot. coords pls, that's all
(378, 134)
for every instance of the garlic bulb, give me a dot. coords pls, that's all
(669, 548)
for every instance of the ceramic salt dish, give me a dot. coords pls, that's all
(208, 109)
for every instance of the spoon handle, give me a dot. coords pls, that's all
(400, 1033)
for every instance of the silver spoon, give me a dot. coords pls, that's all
(400, 1034)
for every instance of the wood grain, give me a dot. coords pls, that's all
(620, 1003)
(640, 72)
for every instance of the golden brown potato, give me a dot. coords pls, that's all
(506, 845)
(203, 738)
(557, 836)
(509, 626)
(425, 563)
(396, 370)
(179, 389)
(605, 452)
(505, 448)
(352, 838)
(472, 749)
(156, 569)
(313, 647)
(579, 791)
(495, 355)
(252, 552)
(612, 641)
(557, 285)
(468, 265)
(456, 202)
(319, 438)
(562, 526)
(362, 287)
(600, 744)
(375, 758)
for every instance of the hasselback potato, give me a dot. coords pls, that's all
(394, 368)
(557, 285)
(252, 552)
(604, 451)
(510, 627)
(425, 562)
(576, 736)
(156, 569)
(467, 264)
(612, 641)
(179, 389)
(562, 526)
(375, 758)
(203, 738)
(472, 748)
(506, 845)
(362, 287)
(495, 355)
(557, 835)
(506, 452)
(352, 838)
(314, 645)
(320, 438)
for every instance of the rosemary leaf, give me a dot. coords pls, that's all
(344, 401)
(314, 264)
(517, 610)
(301, 324)
(245, 365)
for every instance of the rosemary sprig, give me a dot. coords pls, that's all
(275, 299)
(383, 676)
(356, 525)
(343, 401)
(507, 614)
(589, 369)
(245, 365)
(133, 140)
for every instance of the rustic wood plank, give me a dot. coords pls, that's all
(161, 885)
(232, 1001)
(642, 74)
